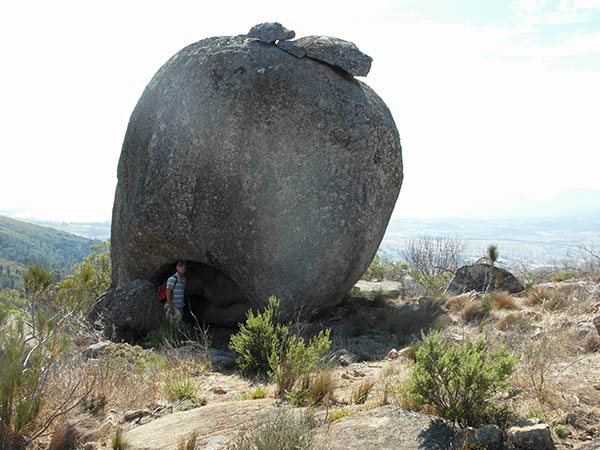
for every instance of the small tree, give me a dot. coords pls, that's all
(433, 260)
(459, 380)
(492, 254)
(36, 281)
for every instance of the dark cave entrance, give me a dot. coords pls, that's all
(211, 295)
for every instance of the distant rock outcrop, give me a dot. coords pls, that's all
(483, 278)
(269, 173)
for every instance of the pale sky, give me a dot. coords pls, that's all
(495, 100)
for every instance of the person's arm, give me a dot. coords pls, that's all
(170, 298)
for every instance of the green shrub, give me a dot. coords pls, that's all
(375, 271)
(258, 338)
(459, 380)
(118, 442)
(296, 358)
(265, 346)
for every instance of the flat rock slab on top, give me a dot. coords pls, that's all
(270, 32)
(334, 51)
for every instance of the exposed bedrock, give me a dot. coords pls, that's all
(270, 174)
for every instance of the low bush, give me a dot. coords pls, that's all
(267, 347)
(459, 380)
(259, 337)
(297, 358)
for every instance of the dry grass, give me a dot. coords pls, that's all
(514, 322)
(456, 304)
(503, 300)
(189, 442)
(474, 312)
(321, 388)
(550, 299)
(361, 392)
(413, 317)
(390, 387)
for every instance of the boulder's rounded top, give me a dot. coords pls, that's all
(326, 49)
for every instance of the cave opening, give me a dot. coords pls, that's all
(211, 295)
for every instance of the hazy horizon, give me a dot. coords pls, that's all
(495, 103)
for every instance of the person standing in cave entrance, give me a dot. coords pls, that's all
(175, 294)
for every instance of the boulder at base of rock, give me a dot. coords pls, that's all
(483, 278)
(489, 436)
(268, 174)
(534, 437)
(128, 312)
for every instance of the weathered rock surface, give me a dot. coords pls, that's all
(216, 425)
(334, 51)
(534, 437)
(269, 174)
(270, 32)
(129, 311)
(483, 278)
(388, 428)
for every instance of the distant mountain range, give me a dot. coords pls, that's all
(534, 241)
(24, 243)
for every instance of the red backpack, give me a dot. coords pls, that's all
(161, 295)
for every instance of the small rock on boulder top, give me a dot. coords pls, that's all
(269, 174)
(483, 278)
(270, 32)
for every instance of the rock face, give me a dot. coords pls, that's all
(270, 174)
(483, 278)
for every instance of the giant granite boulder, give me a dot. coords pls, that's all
(482, 277)
(270, 173)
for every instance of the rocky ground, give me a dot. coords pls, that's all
(550, 328)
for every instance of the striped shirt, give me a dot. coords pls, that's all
(178, 289)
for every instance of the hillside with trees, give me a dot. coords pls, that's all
(23, 243)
